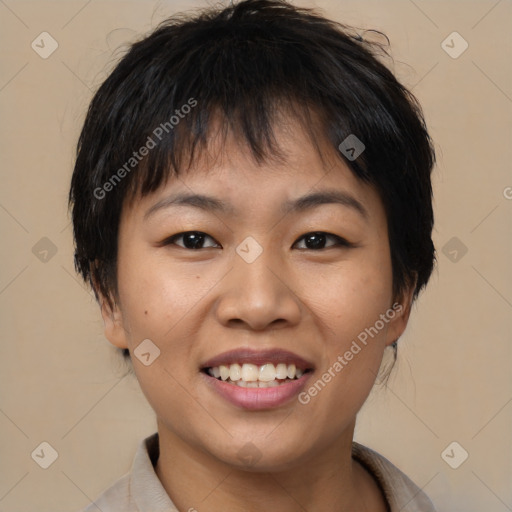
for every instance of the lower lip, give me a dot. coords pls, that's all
(257, 398)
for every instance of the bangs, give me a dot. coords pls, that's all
(202, 135)
(237, 78)
(242, 86)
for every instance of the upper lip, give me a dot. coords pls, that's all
(258, 357)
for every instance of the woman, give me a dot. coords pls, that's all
(252, 206)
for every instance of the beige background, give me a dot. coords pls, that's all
(61, 382)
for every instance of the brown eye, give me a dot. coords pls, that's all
(192, 240)
(317, 240)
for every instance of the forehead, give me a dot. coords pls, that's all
(226, 179)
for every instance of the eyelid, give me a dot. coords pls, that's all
(340, 241)
(170, 240)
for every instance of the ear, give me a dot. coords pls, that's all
(402, 308)
(113, 320)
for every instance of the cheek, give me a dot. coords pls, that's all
(351, 297)
(158, 300)
(155, 293)
(166, 303)
(349, 303)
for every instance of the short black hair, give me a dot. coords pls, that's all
(243, 64)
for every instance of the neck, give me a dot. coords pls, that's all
(325, 482)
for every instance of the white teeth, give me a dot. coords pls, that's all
(282, 371)
(235, 371)
(251, 375)
(258, 384)
(270, 384)
(267, 373)
(250, 372)
(224, 372)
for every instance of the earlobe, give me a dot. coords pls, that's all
(113, 321)
(402, 307)
(110, 311)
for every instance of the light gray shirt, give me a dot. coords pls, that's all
(140, 490)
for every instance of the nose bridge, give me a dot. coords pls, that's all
(260, 275)
(256, 294)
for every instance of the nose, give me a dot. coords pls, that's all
(257, 296)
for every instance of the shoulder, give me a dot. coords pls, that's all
(115, 499)
(138, 490)
(401, 492)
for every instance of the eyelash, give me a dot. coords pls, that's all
(340, 242)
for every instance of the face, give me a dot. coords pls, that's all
(282, 264)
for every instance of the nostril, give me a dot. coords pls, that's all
(236, 321)
(278, 322)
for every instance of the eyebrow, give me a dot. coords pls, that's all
(315, 199)
(303, 203)
(203, 202)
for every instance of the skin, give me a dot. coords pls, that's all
(195, 304)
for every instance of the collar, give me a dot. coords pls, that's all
(400, 492)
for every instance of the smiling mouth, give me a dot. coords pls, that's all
(256, 376)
